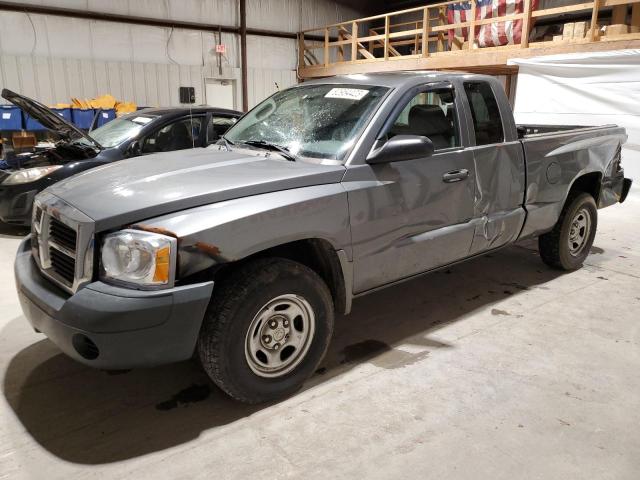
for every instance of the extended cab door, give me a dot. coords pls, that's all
(499, 166)
(411, 216)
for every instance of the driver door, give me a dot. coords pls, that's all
(411, 216)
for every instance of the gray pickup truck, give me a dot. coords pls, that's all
(242, 253)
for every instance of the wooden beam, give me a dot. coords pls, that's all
(361, 48)
(425, 32)
(472, 25)
(478, 58)
(593, 32)
(547, 12)
(526, 24)
(386, 37)
(340, 44)
(354, 41)
(326, 47)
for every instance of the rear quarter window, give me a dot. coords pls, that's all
(487, 122)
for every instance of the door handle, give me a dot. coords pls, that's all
(455, 175)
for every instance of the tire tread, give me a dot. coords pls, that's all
(232, 290)
(549, 244)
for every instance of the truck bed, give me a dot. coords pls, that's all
(529, 130)
(558, 154)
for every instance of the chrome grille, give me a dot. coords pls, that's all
(63, 265)
(62, 242)
(63, 235)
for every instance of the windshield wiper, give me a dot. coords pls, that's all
(227, 142)
(284, 151)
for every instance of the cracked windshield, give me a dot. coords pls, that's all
(315, 121)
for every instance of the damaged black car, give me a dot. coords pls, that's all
(152, 130)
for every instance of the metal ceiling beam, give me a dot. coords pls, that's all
(154, 22)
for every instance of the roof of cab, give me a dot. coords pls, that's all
(393, 79)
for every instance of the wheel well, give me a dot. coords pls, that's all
(315, 253)
(589, 183)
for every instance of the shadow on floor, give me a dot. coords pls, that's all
(91, 417)
(12, 231)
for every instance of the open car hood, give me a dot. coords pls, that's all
(47, 117)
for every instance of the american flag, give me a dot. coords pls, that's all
(493, 34)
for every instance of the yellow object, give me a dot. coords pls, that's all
(163, 260)
(122, 108)
(104, 102)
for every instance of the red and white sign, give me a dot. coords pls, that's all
(221, 48)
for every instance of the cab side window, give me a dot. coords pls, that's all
(487, 122)
(217, 127)
(430, 114)
(178, 135)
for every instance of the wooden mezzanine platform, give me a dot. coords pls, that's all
(390, 43)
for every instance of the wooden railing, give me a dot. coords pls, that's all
(378, 38)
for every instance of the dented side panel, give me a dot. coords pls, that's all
(500, 185)
(555, 161)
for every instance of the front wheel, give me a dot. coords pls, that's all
(266, 330)
(566, 246)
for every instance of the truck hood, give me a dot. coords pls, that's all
(47, 117)
(140, 188)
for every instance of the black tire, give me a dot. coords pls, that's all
(554, 246)
(234, 306)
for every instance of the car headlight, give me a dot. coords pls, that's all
(29, 175)
(141, 259)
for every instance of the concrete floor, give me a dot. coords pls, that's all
(498, 368)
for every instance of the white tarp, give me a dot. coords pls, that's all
(583, 89)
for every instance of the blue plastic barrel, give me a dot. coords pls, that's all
(33, 125)
(105, 116)
(82, 118)
(10, 118)
(64, 113)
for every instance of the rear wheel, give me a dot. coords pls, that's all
(266, 330)
(568, 244)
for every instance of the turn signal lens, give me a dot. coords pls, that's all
(163, 263)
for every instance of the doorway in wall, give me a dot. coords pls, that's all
(220, 93)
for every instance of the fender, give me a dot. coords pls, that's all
(231, 230)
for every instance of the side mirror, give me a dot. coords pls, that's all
(134, 149)
(400, 148)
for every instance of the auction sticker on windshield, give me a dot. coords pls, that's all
(142, 120)
(347, 93)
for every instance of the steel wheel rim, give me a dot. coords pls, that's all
(279, 336)
(579, 231)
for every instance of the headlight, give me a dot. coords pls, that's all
(29, 175)
(140, 258)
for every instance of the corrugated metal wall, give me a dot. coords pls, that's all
(54, 58)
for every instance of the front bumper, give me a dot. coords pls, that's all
(112, 327)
